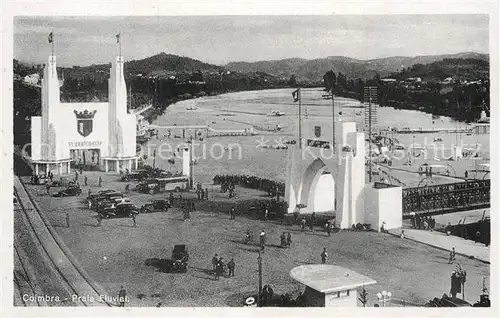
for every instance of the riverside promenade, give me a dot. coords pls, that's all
(442, 241)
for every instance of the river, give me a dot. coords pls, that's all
(251, 108)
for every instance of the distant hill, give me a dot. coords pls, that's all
(457, 68)
(168, 63)
(159, 64)
(352, 68)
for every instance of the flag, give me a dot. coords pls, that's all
(295, 95)
(118, 38)
(51, 37)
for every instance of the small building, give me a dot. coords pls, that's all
(330, 285)
(90, 135)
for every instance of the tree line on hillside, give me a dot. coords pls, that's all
(159, 88)
(421, 87)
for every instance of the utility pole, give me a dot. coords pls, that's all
(154, 158)
(300, 118)
(333, 123)
(259, 262)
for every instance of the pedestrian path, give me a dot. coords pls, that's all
(442, 241)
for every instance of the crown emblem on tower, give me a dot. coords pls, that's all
(85, 114)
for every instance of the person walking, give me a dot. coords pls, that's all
(76, 175)
(122, 295)
(230, 266)
(100, 182)
(303, 224)
(288, 239)
(198, 188)
(133, 220)
(328, 229)
(67, 220)
(85, 180)
(233, 213)
(324, 256)
(127, 189)
(282, 240)
(47, 186)
(262, 238)
(313, 221)
(99, 219)
(450, 259)
(171, 199)
(214, 262)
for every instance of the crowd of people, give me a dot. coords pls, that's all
(446, 195)
(272, 187)
(423, 222)
(220, 268)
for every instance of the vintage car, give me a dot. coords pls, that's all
(137, 175)
(94, 199)
(179, 261)
(68, 192)
(119, 210)
(155, 206)
(101, 192)
(39, 179)
(110, 201)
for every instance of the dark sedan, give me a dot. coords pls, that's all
(68, 192)
(120, 210)
(155, 206)
(138, 175)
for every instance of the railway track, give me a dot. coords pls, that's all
(80, 290)
(25, 281)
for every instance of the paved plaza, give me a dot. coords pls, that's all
(115, 254)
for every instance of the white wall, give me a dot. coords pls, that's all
(324, 194)
(383, 205)
(129, 135)
(333, 300)
(391, 207)
(36, 137)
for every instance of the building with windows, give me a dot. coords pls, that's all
(97, 136)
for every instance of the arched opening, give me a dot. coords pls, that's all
(317, 189)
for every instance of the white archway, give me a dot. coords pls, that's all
(317, 188)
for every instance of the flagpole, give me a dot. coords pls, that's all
(52, 42)
(300, 118)
(333, 122)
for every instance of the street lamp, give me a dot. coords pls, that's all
(259, 262)
(384, 297)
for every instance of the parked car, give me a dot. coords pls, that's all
(101, 192)
(39, 179)
(119, 210)
(137, 175)
(98, 202)
(179, 261)
(68, 192)
(155, 206)
(109, 196)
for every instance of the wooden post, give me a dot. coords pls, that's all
(259, 262)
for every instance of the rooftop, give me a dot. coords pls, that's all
(329, 278)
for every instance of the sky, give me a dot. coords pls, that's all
(222, 39)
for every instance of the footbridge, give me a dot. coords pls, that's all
(446, 198)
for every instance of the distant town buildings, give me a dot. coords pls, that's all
(32, 79)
